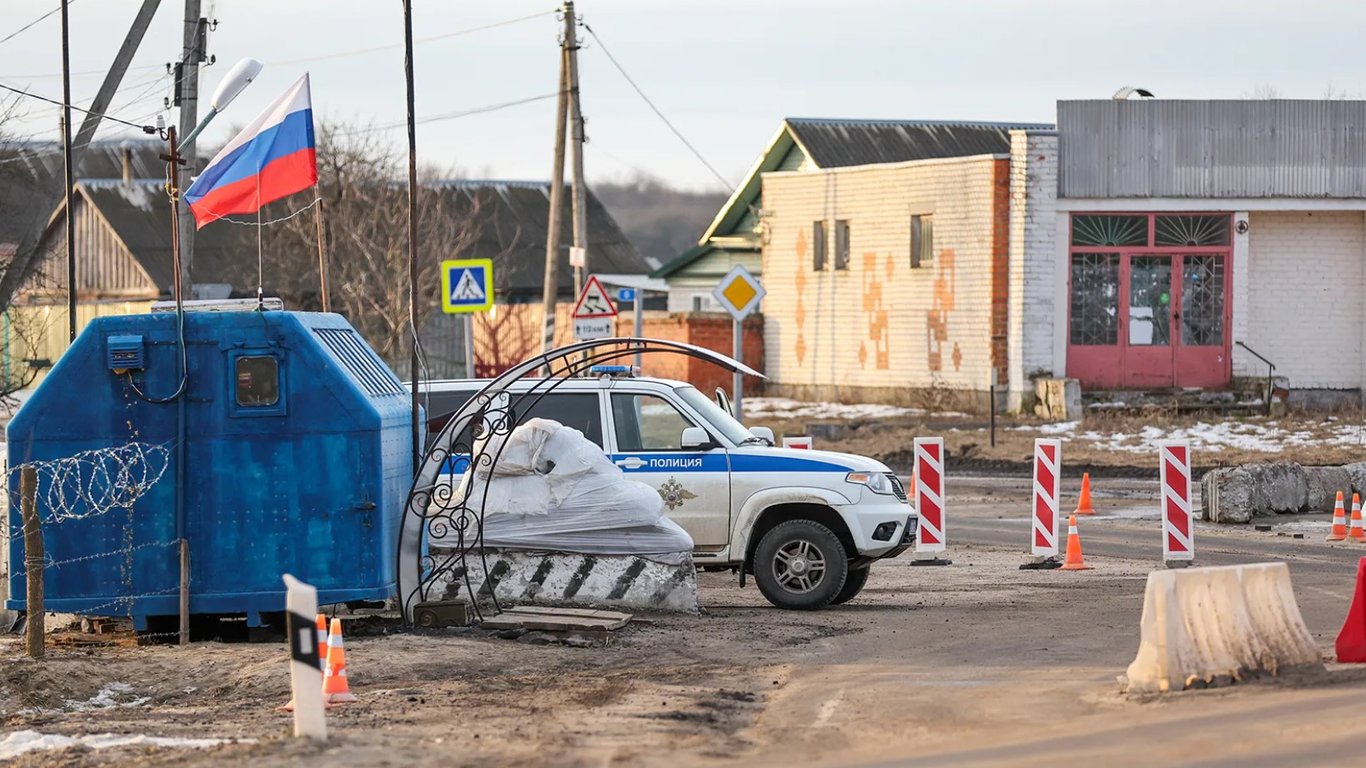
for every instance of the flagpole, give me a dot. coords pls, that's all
(322, 251)
(260, 268)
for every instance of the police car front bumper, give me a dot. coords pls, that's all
(881, 528)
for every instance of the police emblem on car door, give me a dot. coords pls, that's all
(694, 483)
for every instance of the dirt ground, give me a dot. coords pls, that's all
(978, 663)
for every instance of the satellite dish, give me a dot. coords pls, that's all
(238, 78)
(1124, 93)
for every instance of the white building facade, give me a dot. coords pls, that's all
(1182, 244)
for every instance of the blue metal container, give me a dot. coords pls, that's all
(297, 459)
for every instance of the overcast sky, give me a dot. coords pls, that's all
(724, 71)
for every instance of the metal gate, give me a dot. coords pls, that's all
(439, 508)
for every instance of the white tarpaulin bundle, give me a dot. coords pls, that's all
(547, 487)
(1204, 625)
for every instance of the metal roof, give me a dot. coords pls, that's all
(140, 214)
(1257, 148)
(832, 143)
(512, 220)
(515, 219)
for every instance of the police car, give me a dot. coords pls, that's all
(806, 524)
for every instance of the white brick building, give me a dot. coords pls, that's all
(1155, 244)
(872, 315)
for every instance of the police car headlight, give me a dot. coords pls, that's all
(875, 481)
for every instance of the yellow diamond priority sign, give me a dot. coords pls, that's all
(739, 292)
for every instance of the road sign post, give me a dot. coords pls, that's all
(595, 313)
(1178, 528)
(466, 288)
(740, 293)
(1043, 540)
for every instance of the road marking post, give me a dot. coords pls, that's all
(930, 539)
(1178, 527)
(1043, 513)
(305, 672)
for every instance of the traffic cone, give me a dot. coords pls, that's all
(1084, 500)
(1339, 532)
(1073, 560)
(335, 688)
(322, 642)
(1356, 533)
(1351, 642)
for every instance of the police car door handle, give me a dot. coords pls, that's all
(631, 462)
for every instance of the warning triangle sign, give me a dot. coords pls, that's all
(468, 289)
(593, 301)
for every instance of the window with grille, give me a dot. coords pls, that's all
(841, 244)
(818, 245)
(922, 240)
(1095, 299)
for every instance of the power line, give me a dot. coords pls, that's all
(319, 57)
(143, 128)
(449, 115)
(433, 38)
(652, 106)
(20, 30)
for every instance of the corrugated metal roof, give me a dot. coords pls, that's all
(512, 220)
(1212, 149)
(834, 143)
(140, 215)
(515, 219)
(31, 175)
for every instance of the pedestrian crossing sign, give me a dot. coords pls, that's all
(467, 285)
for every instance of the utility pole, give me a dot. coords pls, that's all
(413, 373)
(580, 203)
(114, 78)
(70, 172)
(187, 94)
(550, 291)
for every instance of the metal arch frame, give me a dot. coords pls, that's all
(442, 509)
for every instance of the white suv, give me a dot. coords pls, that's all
(807, 524)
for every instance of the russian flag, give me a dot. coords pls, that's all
(271, 158)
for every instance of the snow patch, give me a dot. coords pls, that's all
(109, 697)
(1269, 437)
(21, 742)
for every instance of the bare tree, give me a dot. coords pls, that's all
(366, 236)
(25, 203)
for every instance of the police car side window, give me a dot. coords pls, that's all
(579, 411)
(647, 423)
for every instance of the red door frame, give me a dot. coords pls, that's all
(1119, 365)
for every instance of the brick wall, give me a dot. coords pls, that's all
(512, 334)
(1033, 259)
(1305, 308)
(881, 325)
(706, 329)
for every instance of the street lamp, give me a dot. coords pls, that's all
(237, 79)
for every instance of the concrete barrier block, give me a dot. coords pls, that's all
(1324, 485)
(1278, 488)
(1357, 472)
(1207, 626)
(1226, 495)
(623, 582)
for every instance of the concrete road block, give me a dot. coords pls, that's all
(1207, 626)
(624, 582)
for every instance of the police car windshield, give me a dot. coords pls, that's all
(715, 416)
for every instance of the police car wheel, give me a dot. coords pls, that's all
(800, 565)
(853, 584)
